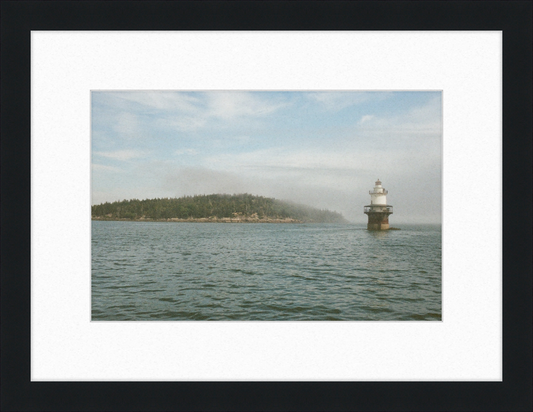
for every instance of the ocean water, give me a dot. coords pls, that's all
(218, 271)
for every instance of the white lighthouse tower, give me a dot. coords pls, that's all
(378, 210)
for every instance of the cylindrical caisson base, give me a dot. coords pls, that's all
(378, 221)
(378, 226)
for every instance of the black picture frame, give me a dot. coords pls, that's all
(19, 18)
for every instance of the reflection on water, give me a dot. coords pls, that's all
(211, 271)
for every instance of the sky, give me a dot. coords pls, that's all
(319, 148)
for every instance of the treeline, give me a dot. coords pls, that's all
(216, 205)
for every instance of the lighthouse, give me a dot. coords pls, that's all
(378, 210)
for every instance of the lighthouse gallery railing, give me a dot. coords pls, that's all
(378, 209)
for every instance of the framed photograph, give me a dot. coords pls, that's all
(206, 206)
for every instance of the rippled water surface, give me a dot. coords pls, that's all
(247, 271)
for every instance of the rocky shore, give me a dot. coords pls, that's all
(213, 219)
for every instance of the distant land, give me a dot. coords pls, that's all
(222, 208)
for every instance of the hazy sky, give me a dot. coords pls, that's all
(323, 149)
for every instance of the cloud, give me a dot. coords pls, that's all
(283, 160)
(416, 132)
(229, 105)
(336, 101)
(183, 123)
(218, 109)
(366, 118)
(185, 152)
(198, 180)
(104, 168)
(151, 99)
(121, 154)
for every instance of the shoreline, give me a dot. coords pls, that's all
(199, 220)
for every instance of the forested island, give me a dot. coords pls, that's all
(224, 208)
